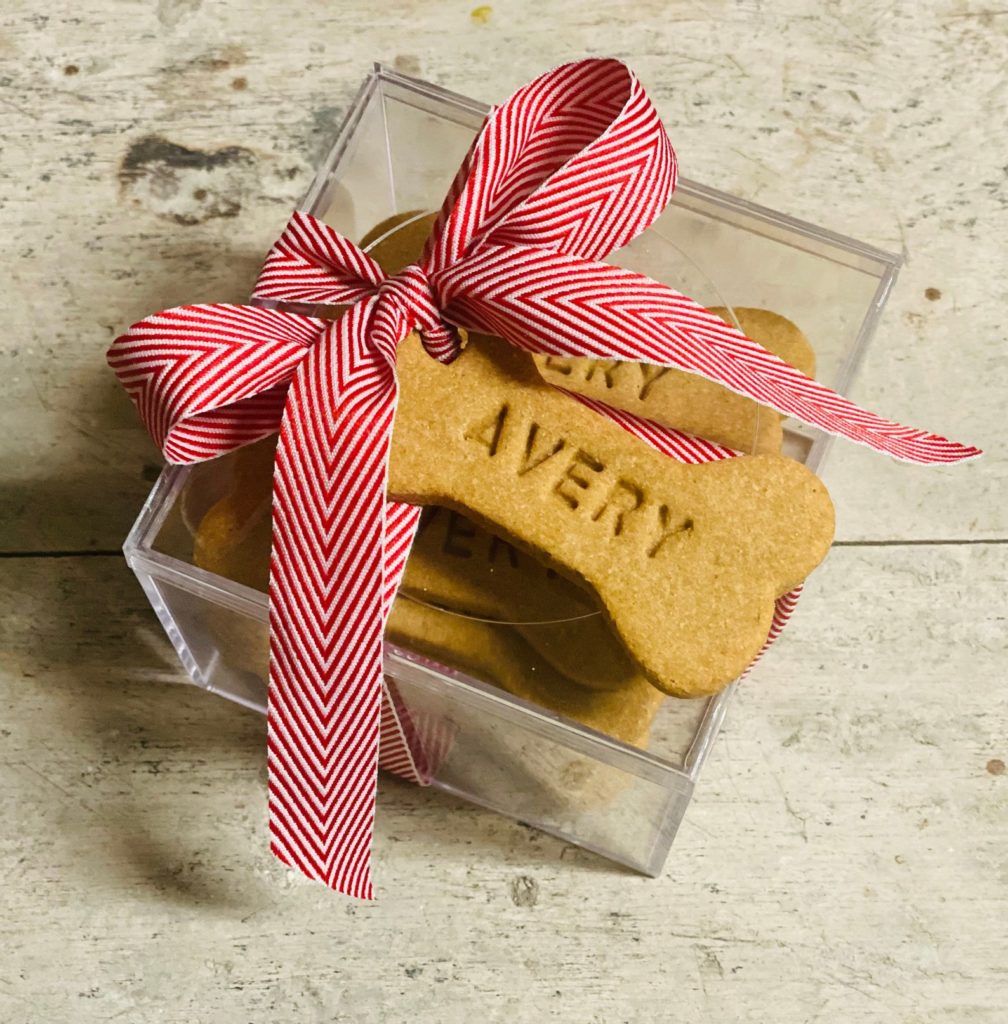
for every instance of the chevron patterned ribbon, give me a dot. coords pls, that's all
(571, 167)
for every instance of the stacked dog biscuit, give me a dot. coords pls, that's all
(559, 557)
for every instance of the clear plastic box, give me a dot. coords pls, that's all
(398, 149)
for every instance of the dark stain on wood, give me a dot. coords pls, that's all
(524, 891)
(188, 186)
(154, 150)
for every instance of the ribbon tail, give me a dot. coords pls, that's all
(557, 304)
(326, 607)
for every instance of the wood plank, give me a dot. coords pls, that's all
(105, 218)
(843, 860)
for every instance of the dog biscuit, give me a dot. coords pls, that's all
(497, 655)
(460, 566)
(686, 560)
(686, 401)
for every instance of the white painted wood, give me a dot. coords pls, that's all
(844, 859)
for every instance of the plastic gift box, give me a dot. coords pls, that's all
(397, 151)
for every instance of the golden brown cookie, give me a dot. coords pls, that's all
(497, 655)
(686, 401)
(458, 565)
(686, 560)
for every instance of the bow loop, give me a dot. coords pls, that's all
(211, 378)
(312, 262)
(577, 162)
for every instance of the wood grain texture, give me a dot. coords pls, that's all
(844, 859)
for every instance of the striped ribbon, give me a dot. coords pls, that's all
(571, 167)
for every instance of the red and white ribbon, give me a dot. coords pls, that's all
(571, 167)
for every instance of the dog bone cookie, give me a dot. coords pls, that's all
(685, 560)
(684, 400)
(497, 655)
(459, 566)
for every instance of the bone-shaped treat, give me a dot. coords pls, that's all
(685, 401)
(458, 565)
(497, 655)
(686, 560)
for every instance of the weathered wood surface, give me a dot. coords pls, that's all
(844, 860)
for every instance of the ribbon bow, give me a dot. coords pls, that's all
(571, 167)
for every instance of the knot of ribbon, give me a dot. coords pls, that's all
(410, 296)
(573, 166)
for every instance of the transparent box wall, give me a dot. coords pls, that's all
(398, 150)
